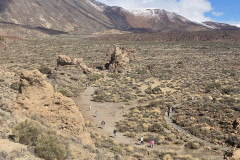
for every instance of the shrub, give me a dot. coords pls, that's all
(119, 150)
(45, 70)
(193, 145)
(155, 90)
(115, 75)
(130, 134)
(94, 77)
(26, 132)
(49, 147)
(66, 92)
(15, 86)
(214, 85)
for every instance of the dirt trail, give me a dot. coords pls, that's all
(169, 121)
(112, 112)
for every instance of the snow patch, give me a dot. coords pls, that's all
(100, 8)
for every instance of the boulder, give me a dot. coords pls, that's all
(118, 59)
(37, 99)
(78, 62)
(63, 60)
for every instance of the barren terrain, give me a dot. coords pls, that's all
(200, 78)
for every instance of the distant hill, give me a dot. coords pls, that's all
(89, 16)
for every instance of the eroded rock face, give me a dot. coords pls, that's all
(118, 59)
(37, 99)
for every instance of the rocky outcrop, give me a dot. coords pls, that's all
(232, 154)
(118, 59)
(68, 73)
(37, 99)
(64, 61)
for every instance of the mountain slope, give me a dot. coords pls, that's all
(89, 16)
(151, 20)
(64, 15)
(221, 26)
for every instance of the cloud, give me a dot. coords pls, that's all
(217, 14)
(191, 9)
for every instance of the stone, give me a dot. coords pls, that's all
(63, 60)
(78, 62)
(118, 59)
(38, 99)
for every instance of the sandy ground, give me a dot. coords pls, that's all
(113, 112)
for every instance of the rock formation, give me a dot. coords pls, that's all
(68, 72)
(64, 61)
(37, 99)
(118, 59)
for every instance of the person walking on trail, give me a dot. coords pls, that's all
(115, 132)
(102, 123)
(169, 110)
(96, 114)
(90, 108)
(141, 140)
(152, 143)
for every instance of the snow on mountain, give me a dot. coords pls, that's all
(95, 5)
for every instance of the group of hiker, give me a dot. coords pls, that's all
(170, 109)
(151, 142)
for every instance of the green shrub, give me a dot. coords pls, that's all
(193, 145)
(155, 90)
(94, 77)
(49, 147)
(211, 86)
(66, 92)
(45, 70)
(115, 75)
(15, 86)
(26, 132)
(1, 80)
(100, 96)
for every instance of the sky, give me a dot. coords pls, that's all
(225, 11)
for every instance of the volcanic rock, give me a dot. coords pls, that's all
(118, 59)
(64, 60)
(38, 99)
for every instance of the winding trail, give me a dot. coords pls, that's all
(181, 130)
(113, 112)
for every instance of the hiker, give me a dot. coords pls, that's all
(102, 123)
(96, 114)
(152, 143)
(168, 113)
(115, 132)
(141, 140)
(89, 108)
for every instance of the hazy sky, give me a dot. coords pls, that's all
(197, 10)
